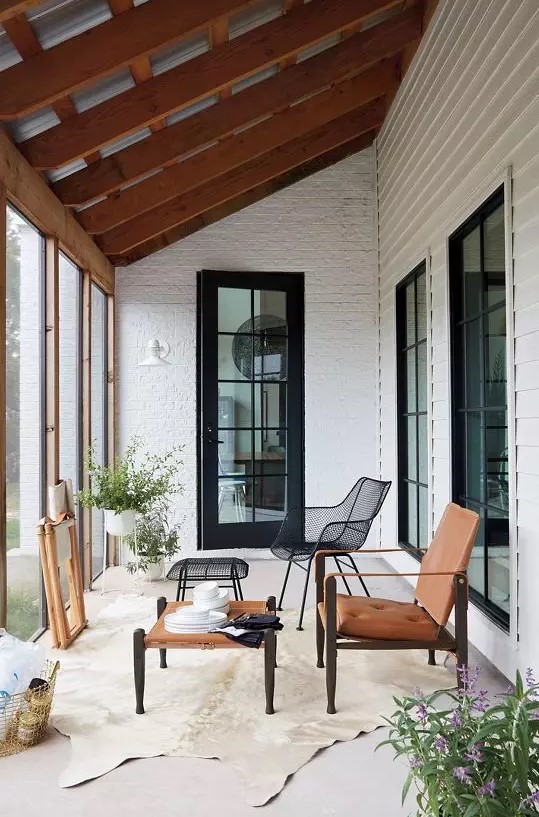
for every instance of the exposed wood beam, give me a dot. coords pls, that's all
(356, 54)
(108, 47)
(34, 198)
(24, 38)
(141, 68)
(290, 60)
(218, 35)
(246, 199)
(195, 79)
(3, 537)
(10, 8)
(121, 239)
(237, 150)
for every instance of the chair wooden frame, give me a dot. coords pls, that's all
(327, 635)
(64, 629)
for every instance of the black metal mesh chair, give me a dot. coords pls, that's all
(339, 527)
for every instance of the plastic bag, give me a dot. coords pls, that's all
(20, 661)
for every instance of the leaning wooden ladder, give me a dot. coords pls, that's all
(58, 547)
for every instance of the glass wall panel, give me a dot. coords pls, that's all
(69, 371)
(480, 456)
(99, 413)
(24, 365)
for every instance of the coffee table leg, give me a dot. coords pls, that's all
(270, 650)
(139, 665)
(161, 604)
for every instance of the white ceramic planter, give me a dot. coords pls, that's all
(154, 572)
(120, 524)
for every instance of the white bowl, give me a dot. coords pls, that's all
(215, 603)
(206, 590)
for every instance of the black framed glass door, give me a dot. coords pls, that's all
(251, 405)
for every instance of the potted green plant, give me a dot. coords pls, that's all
(132, 484)
(157, 541)
(473, 759)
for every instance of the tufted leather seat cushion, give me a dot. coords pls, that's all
(384, 619)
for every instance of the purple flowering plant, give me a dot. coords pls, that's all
(473, 757)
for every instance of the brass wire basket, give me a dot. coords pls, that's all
(24, 717)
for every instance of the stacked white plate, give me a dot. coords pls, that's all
(209, 610)
(191, 620)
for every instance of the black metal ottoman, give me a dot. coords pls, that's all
(210, 569)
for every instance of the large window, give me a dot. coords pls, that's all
(70, 370)
(479, 368)
(99, 413)
(413, 524)
(24, 433)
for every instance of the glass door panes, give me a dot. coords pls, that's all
(480, 445)
(252, 372)
(24, 412)
(99, 413)
(412, 380)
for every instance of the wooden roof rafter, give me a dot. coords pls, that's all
(252, 196)
(108, 47)
(123, 238)
(200, 77)
(164, 178)
(357, 54)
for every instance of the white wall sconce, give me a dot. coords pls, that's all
(157, 354)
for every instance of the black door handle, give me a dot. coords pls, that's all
(215, 441)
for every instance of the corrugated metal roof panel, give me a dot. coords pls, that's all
(317, 48)
(253, 79)
(180, 52)
(251, 18)
(66, 170)
(103, 90)
(58, 21)
(34, 123)
(8, 53)
(125, 142)
(190, 110)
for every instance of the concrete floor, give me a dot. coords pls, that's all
(348, 778)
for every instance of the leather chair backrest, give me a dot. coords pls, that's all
(450, 552)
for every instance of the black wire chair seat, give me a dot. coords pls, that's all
(208, 568)
(338, 527)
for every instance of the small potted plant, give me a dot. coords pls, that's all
(132, 484)
(473, 759)
(157, 541)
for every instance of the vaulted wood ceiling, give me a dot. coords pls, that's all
(153, 118)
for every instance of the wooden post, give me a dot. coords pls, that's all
(3, 542)
(86, 418)
(111, 406)
(52, 364)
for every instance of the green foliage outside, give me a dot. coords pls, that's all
(23, 612)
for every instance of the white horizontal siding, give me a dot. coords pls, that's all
(467, 110)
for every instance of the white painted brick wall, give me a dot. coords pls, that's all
(322, 226)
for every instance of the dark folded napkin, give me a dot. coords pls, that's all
(257, 621)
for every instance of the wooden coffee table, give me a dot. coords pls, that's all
(159, 638)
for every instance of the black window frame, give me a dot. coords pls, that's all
(402, 349)
(459, 408)
(105, 404)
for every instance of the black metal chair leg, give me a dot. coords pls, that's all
(354, 566)
(308, 569)
(280, 605)
(341, 570)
